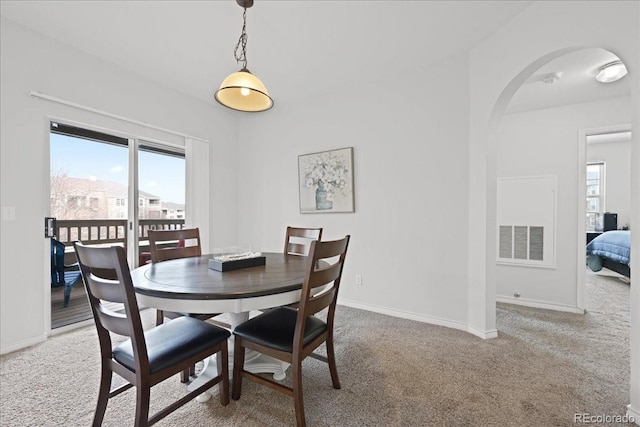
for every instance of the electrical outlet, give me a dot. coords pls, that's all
(358, 279)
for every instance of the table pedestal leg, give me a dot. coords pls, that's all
(253, 362)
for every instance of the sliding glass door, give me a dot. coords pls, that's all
(161, 191)
(109, 190)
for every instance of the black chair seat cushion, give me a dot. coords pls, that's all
(275, 329)
(172, 342)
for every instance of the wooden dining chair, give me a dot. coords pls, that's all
(165, 245)
(297, 240)
(172, 244)
(149, 357)
(291, 335)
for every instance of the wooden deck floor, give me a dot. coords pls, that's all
(77, 310)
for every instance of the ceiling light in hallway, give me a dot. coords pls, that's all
(611, 72)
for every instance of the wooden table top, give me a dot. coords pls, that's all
(192, 279)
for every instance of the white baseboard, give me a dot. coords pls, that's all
(71, 327)
(485, 335)
(23, 344)
(633, 413)
(539, 304)
(409, 315)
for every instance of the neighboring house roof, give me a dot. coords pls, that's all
(147, 195)
(110, 188)
(174, 206)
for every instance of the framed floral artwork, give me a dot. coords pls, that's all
(326, 181)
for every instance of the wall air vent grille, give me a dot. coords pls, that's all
(521, 242)
(526, 217)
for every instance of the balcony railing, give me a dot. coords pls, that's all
(108, 231)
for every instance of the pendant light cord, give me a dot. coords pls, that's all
(242, 43)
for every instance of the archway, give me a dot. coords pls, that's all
(492, 146)
(539, 142)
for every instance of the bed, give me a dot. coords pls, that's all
(612, 250)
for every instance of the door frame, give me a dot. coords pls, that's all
(133, 208)
(581, 275)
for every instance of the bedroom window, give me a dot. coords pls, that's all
(595, 195)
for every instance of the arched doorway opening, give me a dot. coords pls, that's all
(571, 245)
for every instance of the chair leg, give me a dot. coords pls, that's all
(67, 294)
(143, 396)
(331, 360)
(238, 366)
(159, 317)
(184, 375)
(222, 358)
(296, 384)
(103, 395)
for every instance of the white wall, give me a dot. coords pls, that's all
(409, 231)
(545, 142)
(32, 62)
(617, 158)
(499, 65)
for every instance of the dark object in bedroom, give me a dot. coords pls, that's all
(592, 235)
(610, 221)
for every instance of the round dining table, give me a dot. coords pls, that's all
(189, 285)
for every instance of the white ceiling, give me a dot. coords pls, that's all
(577, 82)
(297, 48)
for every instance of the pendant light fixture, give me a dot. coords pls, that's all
(242, 90)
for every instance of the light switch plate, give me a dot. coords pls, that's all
(8, 213)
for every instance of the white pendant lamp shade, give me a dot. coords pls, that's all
(243, 91)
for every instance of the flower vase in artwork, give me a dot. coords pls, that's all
(324, 198)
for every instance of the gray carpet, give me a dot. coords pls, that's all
(544, 367)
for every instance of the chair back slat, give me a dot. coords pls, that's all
(170, 244)
(298, 239)
(164, 254)
(321, 301)
(332, 249)
(324, 267)
(307, 233)
(114, 322)
(105, 289)
(322, 277)
(296, 248)
(325, 275)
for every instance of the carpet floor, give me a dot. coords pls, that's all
(543, 369)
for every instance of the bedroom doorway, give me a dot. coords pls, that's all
(604, 158)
